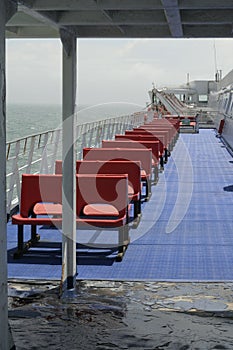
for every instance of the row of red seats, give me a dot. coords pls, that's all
(109, 180)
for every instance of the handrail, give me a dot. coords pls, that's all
(37, 153)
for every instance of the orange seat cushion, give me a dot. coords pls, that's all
(100, 210)
(47, 209)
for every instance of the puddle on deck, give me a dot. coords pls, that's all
(122, 315)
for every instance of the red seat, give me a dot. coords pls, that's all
(159, 135)
(109, 154)
(131, 168)
(153, 145)
(36, 190)
(157, 132)
(101, 202)
(144, 138)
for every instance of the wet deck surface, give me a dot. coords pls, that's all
(185, 234)
(122, 315)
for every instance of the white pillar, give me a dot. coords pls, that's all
(3, 232)
(7, 10)
(69, 162)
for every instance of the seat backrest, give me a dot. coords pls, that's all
(99, 189)
(167, 121)
(142, 155)
(156, 134)
(39, 188)
(156, 130)
(162, 128)
(131, 168)
(142, 138)
(153, 145)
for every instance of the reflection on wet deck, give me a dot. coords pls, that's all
(122, 315)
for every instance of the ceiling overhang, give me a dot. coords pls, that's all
(122, 18)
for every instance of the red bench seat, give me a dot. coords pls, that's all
(142, 155)
(101, 202)
(131, 168)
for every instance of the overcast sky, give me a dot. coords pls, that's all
(112, 70)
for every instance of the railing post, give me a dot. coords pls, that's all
(91, 136)
(56, 135)
(44, 161)
(30, 155)
(13, 177)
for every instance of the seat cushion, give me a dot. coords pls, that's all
(100, 210)
(47, 209)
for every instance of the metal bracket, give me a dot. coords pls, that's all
(67, 39)
(11, 8)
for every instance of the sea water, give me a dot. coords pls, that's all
(28, 119)
(24, 120)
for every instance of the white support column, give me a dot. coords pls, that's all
(6, 11)
(69, 267)
(3, 248)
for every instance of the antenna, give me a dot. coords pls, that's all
(215, 64)
(215, 58)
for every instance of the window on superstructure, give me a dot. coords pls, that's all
(203, 98)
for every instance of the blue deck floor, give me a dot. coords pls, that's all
(186, 231)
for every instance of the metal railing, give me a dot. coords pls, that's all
(37, 153)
